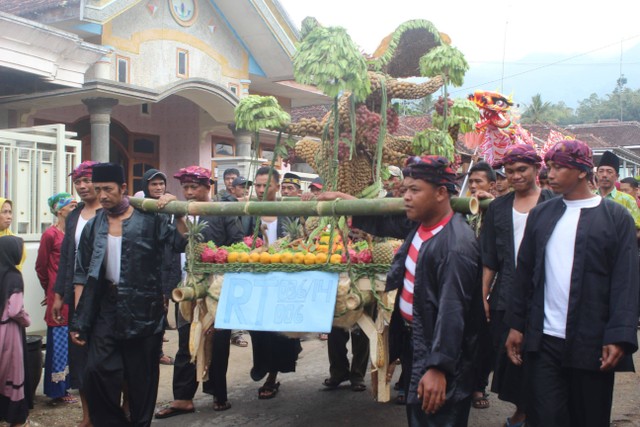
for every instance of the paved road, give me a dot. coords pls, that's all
(303, 401)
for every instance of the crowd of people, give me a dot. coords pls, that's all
(541, 290)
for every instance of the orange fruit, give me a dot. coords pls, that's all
(336, 259)
(309, 259)
(324, 240)
(276, 258)
(322, 248)
(298, 258)
(254, 257)
(243, 257)
(265, 258)
(286, 258)
(321, 258)
(233, 257)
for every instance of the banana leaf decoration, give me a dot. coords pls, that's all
(255, 112)
(328, 59)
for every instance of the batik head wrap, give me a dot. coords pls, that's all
(433, 169)
(194, 174)
(84, 169)
(519, 153)
(573, 154)
(59, 201)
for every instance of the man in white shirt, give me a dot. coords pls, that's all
(574, 309)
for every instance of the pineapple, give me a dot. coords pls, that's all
(383, 252)
(311, 224)
(194, 234)
(292, 228)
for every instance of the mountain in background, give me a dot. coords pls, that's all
(570, 81)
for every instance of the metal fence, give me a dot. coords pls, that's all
(35, 163)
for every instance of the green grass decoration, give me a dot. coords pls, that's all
(436, 142)
(255, 112)
(328, 59)
(446, 61)
(463, 113)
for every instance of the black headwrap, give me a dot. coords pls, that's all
(434, 169)
(11, 248)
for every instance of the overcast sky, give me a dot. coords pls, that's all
(478, 27)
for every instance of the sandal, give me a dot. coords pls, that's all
(268, 391)
(481, 402)
(333, 383)
(239, 341)
(169, 411)
(217, 406)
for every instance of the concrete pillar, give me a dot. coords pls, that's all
(243, 141)
(100, 111)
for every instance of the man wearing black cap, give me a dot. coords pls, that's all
(121, 309)
(502, 183)
(437, 310)
(290, 186)
(607, 173)
(240, 188)
(228, 176)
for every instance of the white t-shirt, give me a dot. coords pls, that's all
(112, 258)
(519, 224)
(79, 227)
(558, 264)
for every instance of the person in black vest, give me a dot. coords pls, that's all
(573, 310)
(120, 309)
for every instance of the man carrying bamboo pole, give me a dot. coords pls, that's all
(196, 186)
(438, 306)
(272, 352)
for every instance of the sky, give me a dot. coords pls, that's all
(568, 31)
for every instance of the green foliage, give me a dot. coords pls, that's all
(256, 112)
(413, 107)
(447, 61)
(463, 113)
(622, 103)
(308, 24)
(435, 142)
(330, 60)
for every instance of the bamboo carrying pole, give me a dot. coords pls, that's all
(372, 207)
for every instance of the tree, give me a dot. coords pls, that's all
(537, 111)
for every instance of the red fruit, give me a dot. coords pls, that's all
(220, 257)
(208, 255)
(259, 242)
(354, 256)
(365, 257)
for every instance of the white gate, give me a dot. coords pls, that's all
(34, 165)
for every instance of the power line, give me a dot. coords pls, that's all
(560, 61)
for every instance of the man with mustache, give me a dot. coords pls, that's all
(608, 173)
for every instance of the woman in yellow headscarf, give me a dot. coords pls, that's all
(6, 216)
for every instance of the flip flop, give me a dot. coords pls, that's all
(481, 402)
(270, 389)
(333, 383)
(217, 406)
(169, 411)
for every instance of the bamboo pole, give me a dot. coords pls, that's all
(364, 207)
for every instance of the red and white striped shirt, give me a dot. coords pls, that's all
(423, 234)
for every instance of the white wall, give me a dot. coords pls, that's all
(33, 292)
